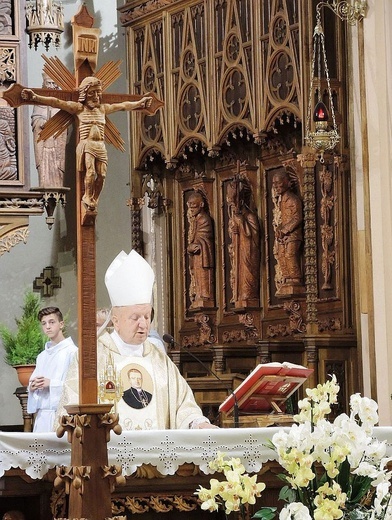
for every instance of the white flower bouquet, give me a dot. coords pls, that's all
(333, 470)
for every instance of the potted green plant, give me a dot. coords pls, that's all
(23, 346)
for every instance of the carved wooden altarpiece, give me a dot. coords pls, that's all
(237, 75)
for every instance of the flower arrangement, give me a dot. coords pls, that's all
(333, 470)
(232, 494)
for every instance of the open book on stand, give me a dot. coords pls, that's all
(266, 389)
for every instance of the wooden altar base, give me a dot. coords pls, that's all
(153, 495)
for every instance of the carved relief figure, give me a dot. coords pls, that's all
(91, 153)
(5, 17)
(244, 250)
(49, 154)
(288, 221)
(8, 169)
(200, 252)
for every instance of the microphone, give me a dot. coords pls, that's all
(168, 338)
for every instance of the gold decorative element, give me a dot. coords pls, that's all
(114, 474)
(110, 388)
(73, 425)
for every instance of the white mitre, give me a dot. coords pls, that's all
(129, 280)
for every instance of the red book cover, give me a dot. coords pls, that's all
(267, 388)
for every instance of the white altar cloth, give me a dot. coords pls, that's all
(167, 450)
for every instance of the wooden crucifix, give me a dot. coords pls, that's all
(82, 99)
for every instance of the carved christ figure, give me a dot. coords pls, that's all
(91, 153)
(200, 252)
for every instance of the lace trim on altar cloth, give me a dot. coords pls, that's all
(167, 450)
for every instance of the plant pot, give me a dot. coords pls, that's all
(24, 372)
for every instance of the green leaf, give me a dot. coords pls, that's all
(360, 486)
(282, 476)
(265, 513)
(287, 494)
(343, 478)
(23, 346)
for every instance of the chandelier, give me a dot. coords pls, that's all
(45, 23)
(323, 138)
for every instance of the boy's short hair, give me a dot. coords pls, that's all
(50, 310)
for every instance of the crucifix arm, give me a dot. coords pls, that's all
(144, 102)
(71, 107)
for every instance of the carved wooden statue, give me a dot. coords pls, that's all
(244, 250)
(288, 221)
(49, 153)
(200, 252)
(91, 153)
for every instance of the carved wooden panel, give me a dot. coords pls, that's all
(13, 171)
(234, 76)
(16, 199)
(280, 61)
(233, 47)
(147, 65)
